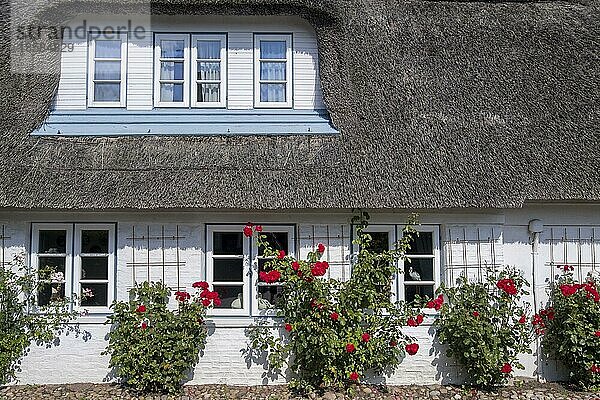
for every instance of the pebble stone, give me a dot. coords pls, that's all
(523, 390)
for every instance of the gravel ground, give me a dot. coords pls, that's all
(525, 391)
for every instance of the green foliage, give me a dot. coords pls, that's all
(21, 322)
(153, 348)
(571, 327)
(485, 325)
(335, 332)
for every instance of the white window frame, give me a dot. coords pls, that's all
(245, 310)
(391, 231)
(92, 39)
(68, 255)
(435, 234)
(77, 265)
(291, 231)
(194, 70)
(288, 103)
(186, 69)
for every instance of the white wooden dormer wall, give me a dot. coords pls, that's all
(264, 80)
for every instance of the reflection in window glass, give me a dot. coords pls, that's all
(53, 242)
(231, 296)
(228, 243)
(95, 241)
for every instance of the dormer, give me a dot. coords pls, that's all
(188, 75)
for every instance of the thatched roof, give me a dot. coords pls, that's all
(438, 104)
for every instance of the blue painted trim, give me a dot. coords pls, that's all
(199, 122)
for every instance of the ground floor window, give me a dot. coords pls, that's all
(421, 271)
(233, 266)
(75, 261)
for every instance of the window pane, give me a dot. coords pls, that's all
(94, 241)
(277, 240)
(51, 268)
(272, 71)
(209, 92)
(50, 292)
(53, 242)
(380, 242)
(273, 49)
(209, 49)
(94, 294)
(272, 92)
(418, 269)
(108, 49)
(108, 70)
(107, 92)
(423, 244)
(171, 92)
(94, 268)
(411, 291)
(228, 270)
(171, 70)
(209, 71)
(231, 296)
(268, 296)
(228, 243)
(172, 48)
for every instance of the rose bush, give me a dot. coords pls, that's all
(485, 325)
(570, 327)
(336, 332)
(151, 347)
(19, 327)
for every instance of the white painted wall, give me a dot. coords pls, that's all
(72, 89)
(223, 360)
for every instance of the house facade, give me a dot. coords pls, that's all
(139, 147)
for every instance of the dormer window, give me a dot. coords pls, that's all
(272, 66)
(107, 69)
(184, 75)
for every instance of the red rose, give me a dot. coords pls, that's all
(353, 376)
(217, 302)
(430, 304)
(475, 314)
(321, 248)
(275, 275)
(334, 316)
(182, 296)
(144, 325)
(566, 268)
(506, 368)
(295, 265)
(420, 319)
(281, 254)
(523, 319)
(248, 231)
(200, 285)
(212, 295)
(366, 337)
(262, 275)
(411, 322)
(258, 228)
(204, 293)
(288, 327)
(141, 309)
(350, 347)
(393, 343)
(568, 290)
(412, 348)
(313, 303)
(320, 268)
(205, 302)
(597, 333)
(507, 286)
(437, 302)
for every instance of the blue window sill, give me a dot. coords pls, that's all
(110, 122)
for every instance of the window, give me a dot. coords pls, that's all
(228, 255)
(273, 70)
(210, 70)
(267, 294)
(75, 261)
(107, 63)
(422, 273)
(227, 268)
(171, 71)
